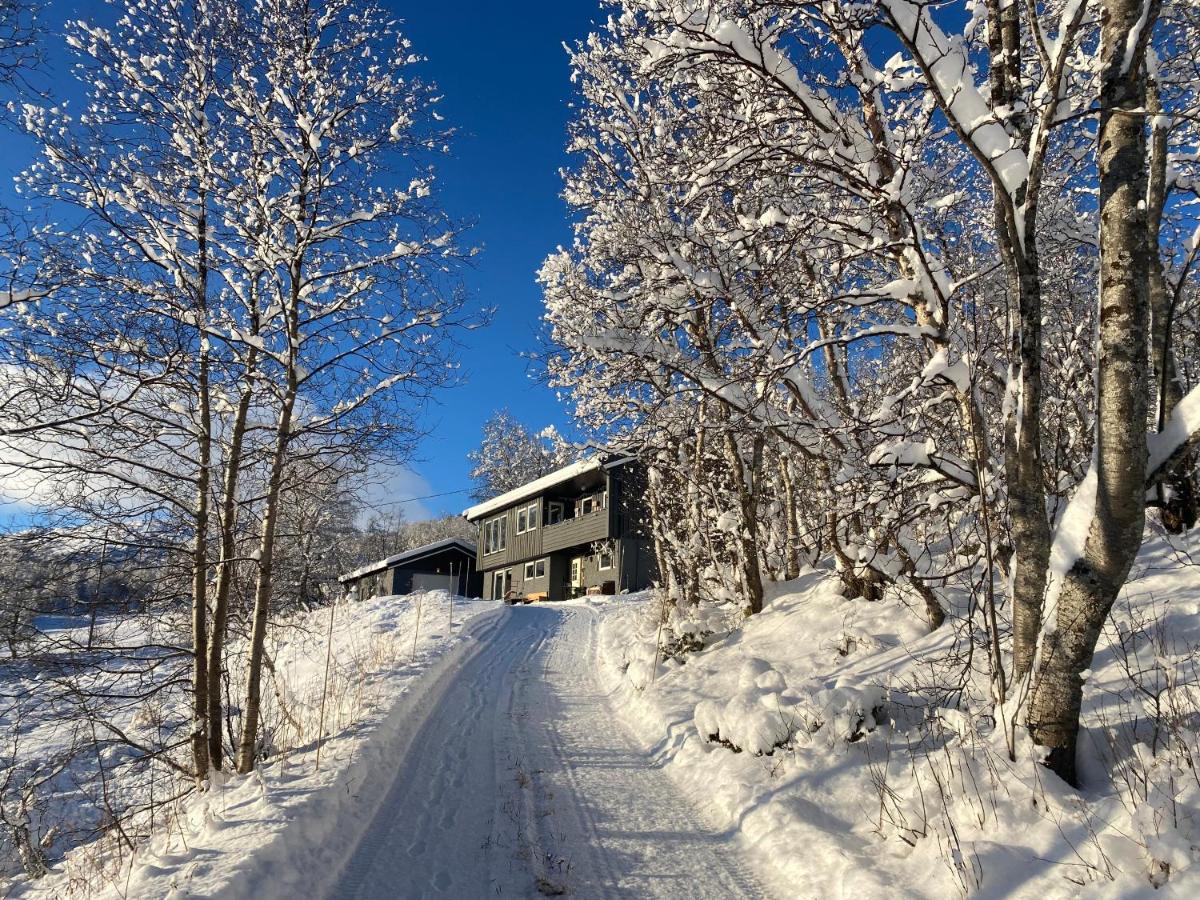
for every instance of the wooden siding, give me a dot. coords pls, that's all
(518, 547)
(580, 530)
(622, 519)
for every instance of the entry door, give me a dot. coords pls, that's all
(577, 572)
(501, 584)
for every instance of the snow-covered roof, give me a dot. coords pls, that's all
(535, 487)
(409, 556)
(516, 495)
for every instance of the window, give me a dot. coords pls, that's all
(554, 513)
(604, 559)
(535, 569)
(495, 533)
(527, 518)
(586, 505)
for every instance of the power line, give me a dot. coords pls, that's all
(415, 499)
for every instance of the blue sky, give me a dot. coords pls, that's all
(506, 84)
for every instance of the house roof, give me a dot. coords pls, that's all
(535, 487)
(409, 556)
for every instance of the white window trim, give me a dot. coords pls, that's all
(493, 534)
(529, 570)
(529, 515)
(600, 566)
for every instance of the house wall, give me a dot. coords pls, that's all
(398, 579)
(628, 487)
(623, 520)
(518, 546)
(548, 583)
(637, 567)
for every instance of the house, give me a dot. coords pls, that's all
(447, 565)
(579, 530)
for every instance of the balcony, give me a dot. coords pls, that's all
(583, 529)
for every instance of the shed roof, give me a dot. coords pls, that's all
(409, 556)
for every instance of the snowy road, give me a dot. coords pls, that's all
(521, 783)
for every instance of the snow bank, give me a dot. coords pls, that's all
(283, 831)
(812, 732)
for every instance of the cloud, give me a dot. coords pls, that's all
(388, 483)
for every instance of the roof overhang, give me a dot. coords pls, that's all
(535, 487)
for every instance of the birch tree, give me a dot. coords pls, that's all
(1108, 513)
(140, 273)
(357, 254)
(509, 455)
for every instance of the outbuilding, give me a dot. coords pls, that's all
(447, 565)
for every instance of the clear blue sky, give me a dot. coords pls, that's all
(506, 81)
(506, 84)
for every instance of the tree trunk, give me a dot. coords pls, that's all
(792, 551)
(1178, 500)
(216, 646)
(200, 721)
(748, 532)
(1119, 464)
(266, 548)
(1029, 525)
(262, 591)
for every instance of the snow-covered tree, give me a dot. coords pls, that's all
(510, 455)
(877, 268)
(257, 282)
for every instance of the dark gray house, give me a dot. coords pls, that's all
(579, 530)
(443, 565)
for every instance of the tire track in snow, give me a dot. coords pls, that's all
(630, 832)
(523, 757)
(403, 852)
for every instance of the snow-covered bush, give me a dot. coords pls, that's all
(765, 715)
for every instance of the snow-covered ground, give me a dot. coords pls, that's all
(806, 752)
(270, 833)
(523, 783)
(847, 781)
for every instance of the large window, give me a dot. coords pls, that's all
(495, 535)
(535, 569)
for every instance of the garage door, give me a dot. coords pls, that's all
(429, 581)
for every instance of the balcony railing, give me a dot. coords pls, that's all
(583, 529)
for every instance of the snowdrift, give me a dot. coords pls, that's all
(826, 732)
